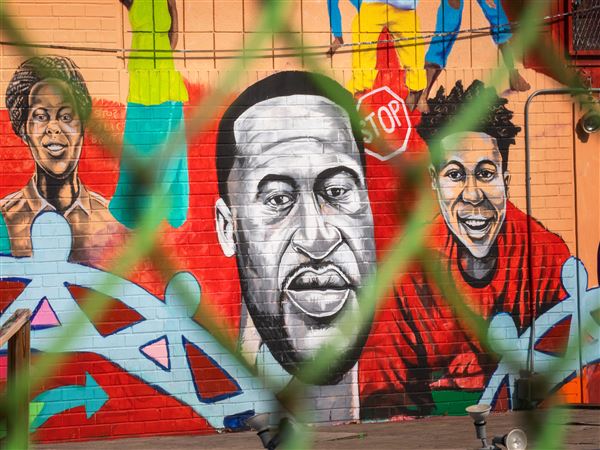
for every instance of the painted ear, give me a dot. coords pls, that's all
(506, 177)
(224, 224)
(433, 176)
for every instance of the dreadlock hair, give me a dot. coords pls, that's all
(495, 121)
(37, 69)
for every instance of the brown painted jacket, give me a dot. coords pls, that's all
(93, 227)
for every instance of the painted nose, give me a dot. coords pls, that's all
(315, 238)
(53, 128)
(472, 193)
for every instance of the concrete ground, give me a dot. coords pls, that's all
(449, 433)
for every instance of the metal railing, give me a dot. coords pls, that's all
(16, 331)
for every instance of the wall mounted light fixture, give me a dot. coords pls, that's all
(270, 440)
(588, 123)
(515, 439)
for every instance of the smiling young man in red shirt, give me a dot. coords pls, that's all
(418, 343)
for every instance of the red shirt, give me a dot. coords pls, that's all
(417, 343)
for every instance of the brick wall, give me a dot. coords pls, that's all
(150, 363)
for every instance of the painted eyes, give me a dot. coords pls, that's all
(279, 200)
(339, 192)
(485, 175)
(335, 192)
(331, 194)
(455, 175)
(40, 116)
(66, 117)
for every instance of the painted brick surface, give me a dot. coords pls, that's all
(273, 237)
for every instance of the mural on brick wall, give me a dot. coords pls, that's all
(399, 20)
(447, 29)
(155, 340)
(48, 103)
(295, 212)
(154, 112)
(480, 237)
(276, 215)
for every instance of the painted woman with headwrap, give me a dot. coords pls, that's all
(154, 116)
(49, 104)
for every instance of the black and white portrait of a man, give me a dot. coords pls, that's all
(294, 211)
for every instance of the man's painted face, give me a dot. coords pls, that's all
(54, 131)
(302, 221)
(472, 189)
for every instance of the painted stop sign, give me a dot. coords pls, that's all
(385, 123)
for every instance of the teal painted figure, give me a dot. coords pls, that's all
(147, 128)
(154, 115)
(4, 239)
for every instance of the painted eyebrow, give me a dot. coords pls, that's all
(452, 161)
(272, 178)
(330, 173)
(36, 106)
(486, 161)
(68, 109)
(269, 145)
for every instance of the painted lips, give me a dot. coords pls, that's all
(318, 292)
(55, 148)
(477, 226)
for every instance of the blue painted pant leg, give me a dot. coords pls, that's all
(177, 182)
(335, 16)
(498, 20)
(131, 195)
(147, 128)
(448, 21)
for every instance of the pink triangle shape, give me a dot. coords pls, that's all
(158, 352)
(44, 315)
